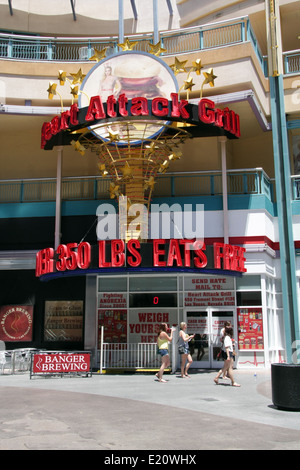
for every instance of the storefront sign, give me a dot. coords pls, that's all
(135, 85)
(16, 323)
(144, 324)
(157, 254)
(208, 283)
(60, 363)
(209, 299)
(112, 300)
(162, 108)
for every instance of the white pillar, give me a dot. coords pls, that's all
(121, 22)
(57, 234)
(155, 22)
(223, 141)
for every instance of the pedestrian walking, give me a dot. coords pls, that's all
(184, 350)
(163, 340)
(228, 362)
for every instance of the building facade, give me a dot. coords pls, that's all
(242, 179)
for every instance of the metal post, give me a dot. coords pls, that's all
(101, 349)
(282, 178)
(155, 22)
(57, 234)
(174, 350)
(121, 22)
(223, 140)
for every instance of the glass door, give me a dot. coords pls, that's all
(198, 324)
(218, 320)
(206, 325)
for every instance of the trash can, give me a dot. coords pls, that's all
(286, 386)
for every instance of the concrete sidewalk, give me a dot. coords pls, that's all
(136, 412)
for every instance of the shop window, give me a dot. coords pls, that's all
(248, 283)
(63, 320)
(151, 284)
(112, 284)
(248, 298)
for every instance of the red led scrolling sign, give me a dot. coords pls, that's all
(209, 119)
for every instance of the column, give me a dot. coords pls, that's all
(282, 177)
(223, 141)
(57, 234)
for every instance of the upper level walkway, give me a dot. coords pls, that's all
(186, 40)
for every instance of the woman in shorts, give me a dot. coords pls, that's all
(228, 359)
(163, 340)
(184, 350)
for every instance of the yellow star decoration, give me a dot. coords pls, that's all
(113, 136)
(197, 67)
(127, 45)
(127, 171)
(77, 146)
(209, 78)
(163, 167)
(77, 77)
(102, 169)
(150, 149)
(175, 156)
(188, 84)
(74, 91)
(178, 66)
(156, 49)
(98, 55)
(114, 190)
(51, 90)
(62, 76)
(150, 183)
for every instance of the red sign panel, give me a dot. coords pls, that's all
(59, 363)
(16, 322)
(250, 324)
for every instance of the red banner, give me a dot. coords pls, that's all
(16, 322)
(59, 363)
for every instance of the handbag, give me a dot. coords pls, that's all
(181, 349)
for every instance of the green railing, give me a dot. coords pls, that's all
(39, 48)
(249, 181)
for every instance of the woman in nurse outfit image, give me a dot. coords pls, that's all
(109, 85)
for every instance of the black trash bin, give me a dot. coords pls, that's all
(286, 386)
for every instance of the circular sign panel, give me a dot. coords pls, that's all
(135, 74)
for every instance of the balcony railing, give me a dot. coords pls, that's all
(205, 183)
(59, 49)
(291, 61)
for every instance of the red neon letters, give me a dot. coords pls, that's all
(140, 106)
(117, 254)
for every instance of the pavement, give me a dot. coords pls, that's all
(135, 412)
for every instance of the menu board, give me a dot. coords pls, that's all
(250, 328)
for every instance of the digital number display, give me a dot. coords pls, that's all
(152, 300)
